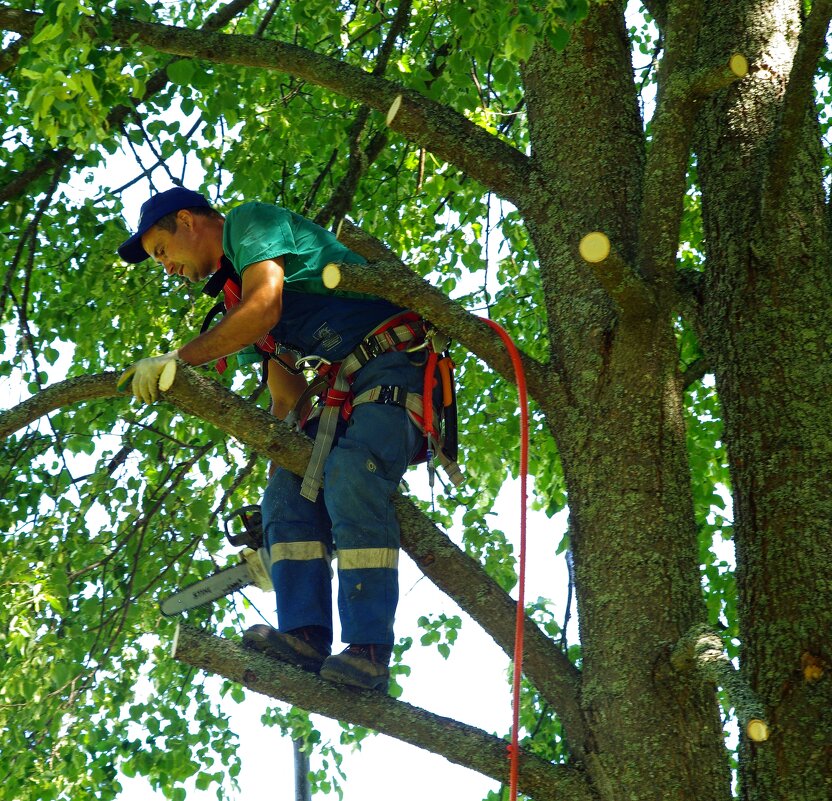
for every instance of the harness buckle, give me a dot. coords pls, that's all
(311, 363)
(371, 348)
(392, 395)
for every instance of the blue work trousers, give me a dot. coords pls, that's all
(353, 516)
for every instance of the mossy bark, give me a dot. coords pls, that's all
(652, 733)
(769, 335)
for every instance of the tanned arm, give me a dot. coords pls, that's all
(257, 313)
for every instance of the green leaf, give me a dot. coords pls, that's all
(181, 71)
(47, 33)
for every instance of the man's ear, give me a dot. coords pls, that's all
(185, 218)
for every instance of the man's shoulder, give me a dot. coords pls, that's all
(257, 210)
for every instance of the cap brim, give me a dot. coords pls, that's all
(132, 250)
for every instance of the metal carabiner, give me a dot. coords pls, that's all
(311, 363)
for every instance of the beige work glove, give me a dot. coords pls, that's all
(150, 375)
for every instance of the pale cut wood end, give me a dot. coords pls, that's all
(738, 64)
(393, 110)
(173, 647)
(167, 376)
(331, 275)
(594, 247)
(757, 730)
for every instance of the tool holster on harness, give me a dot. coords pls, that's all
(404, 332)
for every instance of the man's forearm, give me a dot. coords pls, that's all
(242, 326)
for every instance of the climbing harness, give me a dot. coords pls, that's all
(405, 331)
(514, 748)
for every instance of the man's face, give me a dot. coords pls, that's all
(192, 251)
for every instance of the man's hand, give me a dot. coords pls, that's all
(150, 375)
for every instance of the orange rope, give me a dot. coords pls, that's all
(514, 749)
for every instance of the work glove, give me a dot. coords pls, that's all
(149, 376)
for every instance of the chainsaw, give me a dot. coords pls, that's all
(253, 568)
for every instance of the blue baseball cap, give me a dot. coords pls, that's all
(152, 211)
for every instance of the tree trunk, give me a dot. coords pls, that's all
(622, 438)
(768, 334)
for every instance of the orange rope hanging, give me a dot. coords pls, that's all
(514, 748)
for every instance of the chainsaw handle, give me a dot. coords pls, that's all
(252, 536)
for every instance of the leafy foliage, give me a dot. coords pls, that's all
(108, 507)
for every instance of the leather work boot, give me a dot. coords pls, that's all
(306, 647)
(363, 666)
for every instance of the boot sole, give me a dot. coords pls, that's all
(343, 674)
(282, 652)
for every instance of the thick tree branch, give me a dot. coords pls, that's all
(702, 650)
(625, 287)
(444, 563)
(396, 282)
(484, 157)
(665, 174)
(811, 46)
(42, 163)
(460, 743)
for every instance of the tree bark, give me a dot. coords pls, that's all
(622, 437)
(768, 335)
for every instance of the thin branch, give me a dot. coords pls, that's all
(702, 650)
(401, 19)
(696, 372)
(10, 55)
(316, 184)
(457, 742)
(340, 202)
(665, 173)
(267, 18)
(689, 289)
(811, 46)
(18, 183)
(447, 133)
(30, 236)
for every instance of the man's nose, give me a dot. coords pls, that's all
(170, 267)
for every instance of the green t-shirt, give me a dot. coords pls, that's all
(257, 231)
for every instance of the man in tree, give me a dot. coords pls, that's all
(279, 302)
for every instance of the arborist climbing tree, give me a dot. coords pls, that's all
(372, 359)
(639, 196)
